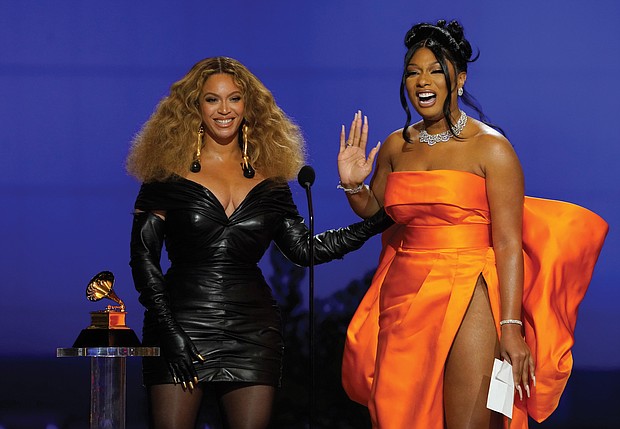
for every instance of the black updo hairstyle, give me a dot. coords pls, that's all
(446, 42)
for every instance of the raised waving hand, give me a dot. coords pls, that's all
(353, 165)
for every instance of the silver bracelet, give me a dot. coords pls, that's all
(510, 322)
(351, 191)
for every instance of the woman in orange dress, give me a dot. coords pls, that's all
(455, 290)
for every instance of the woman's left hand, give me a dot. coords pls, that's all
(515, 350)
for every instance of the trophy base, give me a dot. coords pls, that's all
(103, 337)
(107, 329)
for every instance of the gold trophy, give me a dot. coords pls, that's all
(107, 327)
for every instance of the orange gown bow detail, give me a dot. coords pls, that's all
(399, 338)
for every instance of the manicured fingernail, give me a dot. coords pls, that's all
(534, 379)
(184, 385)
(520, 392)
(196, 380)
(527, 390)
(191, 386)
(176, 380)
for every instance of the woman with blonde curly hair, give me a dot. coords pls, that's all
(275, 145)
(214, 160)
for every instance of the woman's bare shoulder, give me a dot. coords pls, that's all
(489, 138)
(493, 148)
(395, 140)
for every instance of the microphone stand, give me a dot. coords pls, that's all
(306, 179)
(311, 306)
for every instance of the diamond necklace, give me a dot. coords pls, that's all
(431, 139)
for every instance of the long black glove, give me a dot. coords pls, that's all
(293, 238)
(147, 236)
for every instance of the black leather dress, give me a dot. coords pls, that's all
(214, 291)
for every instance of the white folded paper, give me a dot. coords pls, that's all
(502, 390)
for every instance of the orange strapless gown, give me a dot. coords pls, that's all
(401, 333)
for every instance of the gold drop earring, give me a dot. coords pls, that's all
(248, 170)
(195, 167)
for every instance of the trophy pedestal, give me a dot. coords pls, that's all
(108, 381)
(107, 341)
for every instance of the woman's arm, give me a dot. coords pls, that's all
(504, 182)
(147, 236)
(293, 237)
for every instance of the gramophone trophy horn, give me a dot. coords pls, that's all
(100, 287)
(107, 326)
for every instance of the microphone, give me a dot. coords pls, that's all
(306, 178)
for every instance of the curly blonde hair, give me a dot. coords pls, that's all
(166, 144)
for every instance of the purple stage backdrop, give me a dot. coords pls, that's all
(78, 78)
